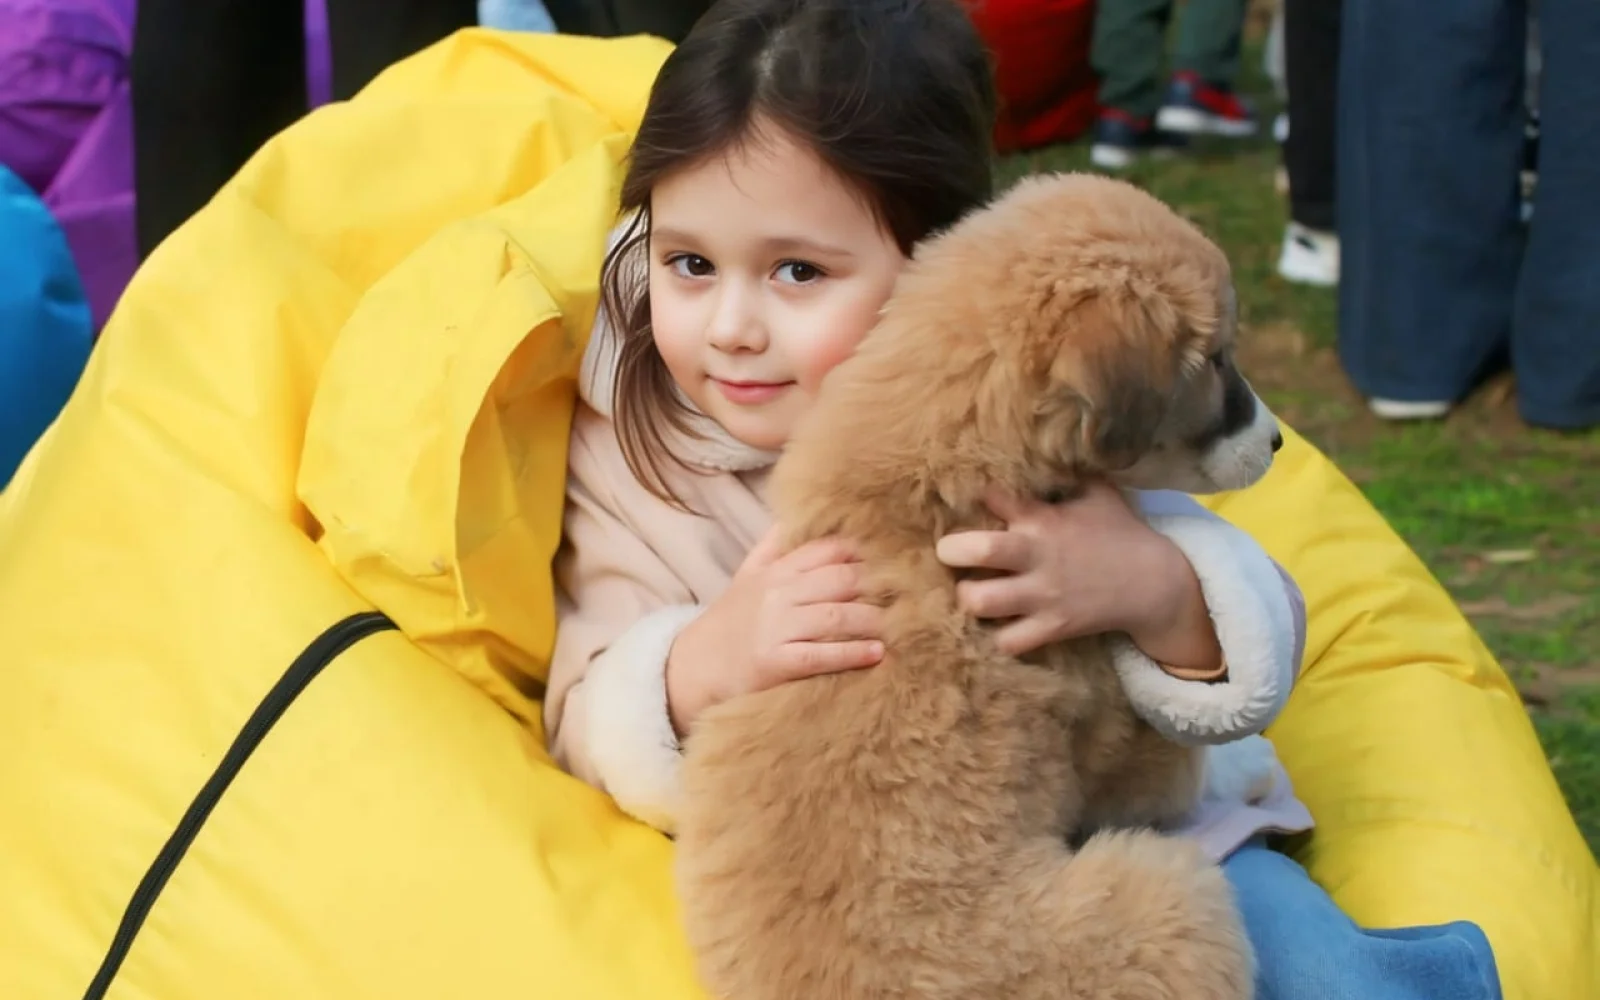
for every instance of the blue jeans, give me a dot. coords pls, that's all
(1440, 283)
(1307, 949)
(515, 15)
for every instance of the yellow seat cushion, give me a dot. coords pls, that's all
(276, 606)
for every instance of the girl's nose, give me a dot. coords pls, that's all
(736, 325)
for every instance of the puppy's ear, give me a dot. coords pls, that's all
(1123, 375)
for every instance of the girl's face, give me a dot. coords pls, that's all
(766, 270)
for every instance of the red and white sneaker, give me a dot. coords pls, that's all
(1195, 107)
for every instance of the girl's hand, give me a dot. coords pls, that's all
(1078, 568)
(783, 617)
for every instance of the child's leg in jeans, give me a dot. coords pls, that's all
(1307, 949)
(1127, 52)
(1209, 33)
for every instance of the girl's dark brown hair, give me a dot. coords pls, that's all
(897, 96)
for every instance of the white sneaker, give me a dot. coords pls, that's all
(1310, 256)
(1405, 409)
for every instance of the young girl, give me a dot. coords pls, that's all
(791, 155)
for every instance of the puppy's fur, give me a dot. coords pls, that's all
(907, 830)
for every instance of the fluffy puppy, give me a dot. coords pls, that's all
(954, 822)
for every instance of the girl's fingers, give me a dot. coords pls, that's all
(1001, 597)
(822, 552)
(1025, 635)
(807, 659)
(838, 622)
(766, 551)
(1001, 551)
(834, 583)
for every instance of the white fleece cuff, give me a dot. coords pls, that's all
(1253, 614)
(633, 748)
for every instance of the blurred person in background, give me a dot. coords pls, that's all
(669, 19)
(214, 79)
(1140, 112)
(515, 15)
(1441, 282)
(1310, 253)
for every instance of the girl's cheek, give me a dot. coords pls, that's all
(829, 353)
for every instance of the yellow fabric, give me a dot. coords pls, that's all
(345, 385)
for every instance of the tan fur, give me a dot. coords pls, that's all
(906, 831)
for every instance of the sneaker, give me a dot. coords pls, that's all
(1310, 256)
(1120, 139)
(1406, 409)
(1195, 107)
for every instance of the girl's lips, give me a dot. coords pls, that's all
(750, 393)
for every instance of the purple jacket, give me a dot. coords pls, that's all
(66, 124)
(66, 128)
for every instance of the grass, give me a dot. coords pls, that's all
(1507, 517)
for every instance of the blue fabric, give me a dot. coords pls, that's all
(45, 327)
(1440, 284)
(515, 15)
(1308, 949)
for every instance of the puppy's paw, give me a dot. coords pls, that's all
(1244, 770)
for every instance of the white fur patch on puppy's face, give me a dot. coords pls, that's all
(1217, 436)
(1239, 459)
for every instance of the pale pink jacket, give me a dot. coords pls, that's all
(632, 572)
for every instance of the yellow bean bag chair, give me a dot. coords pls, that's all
(274, 605)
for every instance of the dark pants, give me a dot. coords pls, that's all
(1129, 46)
(1311, 72)
(214, 79)
(1439, 281)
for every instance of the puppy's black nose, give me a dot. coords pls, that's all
(1277, 441)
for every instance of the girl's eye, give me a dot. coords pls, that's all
(689, 265)
(798, 272)
(1218, 360)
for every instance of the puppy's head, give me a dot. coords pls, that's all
(1111, 322)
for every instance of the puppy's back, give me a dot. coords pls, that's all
(900, 830)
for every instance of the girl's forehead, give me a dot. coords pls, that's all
(768, 181)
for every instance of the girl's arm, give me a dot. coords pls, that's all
(619, 610)
(1259, 618)
(1206, 631)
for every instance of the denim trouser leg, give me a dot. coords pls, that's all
(1555, 339)
(1308, 949)
(1430, 120)
(515, 15)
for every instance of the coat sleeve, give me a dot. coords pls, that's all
(619, 609)
(1260, 619)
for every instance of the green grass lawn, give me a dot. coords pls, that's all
(1508, 518)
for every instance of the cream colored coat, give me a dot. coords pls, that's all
(633, 571)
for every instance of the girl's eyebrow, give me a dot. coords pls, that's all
(799, 245)
(803, 246)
